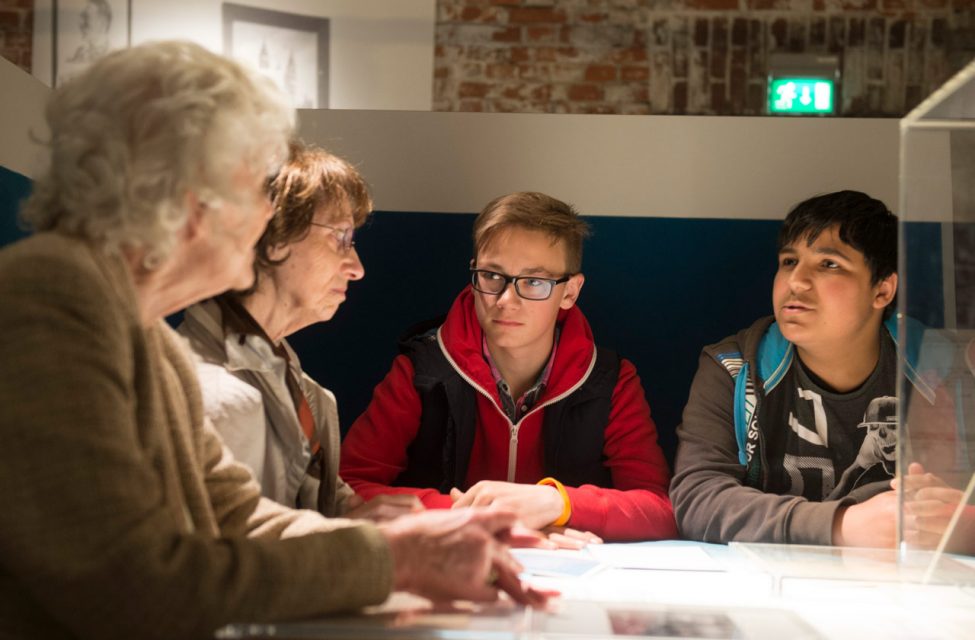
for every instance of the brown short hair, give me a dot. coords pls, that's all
(311, 178)
(536, 212)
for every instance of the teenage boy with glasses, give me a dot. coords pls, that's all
(508, 401)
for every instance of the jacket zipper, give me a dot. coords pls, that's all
(512, 427)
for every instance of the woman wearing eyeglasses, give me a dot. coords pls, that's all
(508, 402)
(275, 418)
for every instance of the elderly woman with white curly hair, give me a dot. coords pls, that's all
(121, 513)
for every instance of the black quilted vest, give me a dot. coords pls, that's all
(572, 428)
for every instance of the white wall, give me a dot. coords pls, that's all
(21, 119)
(381, 51)
(668, 166)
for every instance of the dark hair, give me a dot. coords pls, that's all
(536, 212)
(865, 223)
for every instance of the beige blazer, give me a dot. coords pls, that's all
(121, 513)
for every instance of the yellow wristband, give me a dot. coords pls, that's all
(566, 505)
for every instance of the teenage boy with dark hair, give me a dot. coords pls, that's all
(790, 428)
(508, 401)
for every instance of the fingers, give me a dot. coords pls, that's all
(917, 479)
(407, 500)
(521, 537)
(521, 593)
(941, 494)
(563, 541)
(921, 539)
(586, 536)
(567, 538)
(460, 498)
(497, 522)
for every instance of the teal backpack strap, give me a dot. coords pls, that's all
(737, 368)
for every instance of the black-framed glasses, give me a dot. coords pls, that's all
(527, 287)
(344, 236)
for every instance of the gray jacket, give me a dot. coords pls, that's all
(246, 396)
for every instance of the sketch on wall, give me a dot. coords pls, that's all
(290, 49)
(85, 30)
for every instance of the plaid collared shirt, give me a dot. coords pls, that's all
(516, 409)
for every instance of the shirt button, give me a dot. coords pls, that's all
(524, 407)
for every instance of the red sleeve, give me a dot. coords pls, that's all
(374, 450)
(638, 508)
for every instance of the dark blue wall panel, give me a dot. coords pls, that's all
(656, 291)
(14, 189)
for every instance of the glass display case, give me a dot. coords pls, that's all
(936, 307)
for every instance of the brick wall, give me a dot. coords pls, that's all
(689, 56)
(16, 31)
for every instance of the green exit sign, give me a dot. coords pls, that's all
(801, 96)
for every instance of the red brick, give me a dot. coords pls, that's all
(441, 72)
(535, 15)
(567, 52)
(10, 20)
(542, 92)
(600, 73)
(641, 93)
(635, 74)
(520, 54)
(18, 40)
(475, 14)
(509, 3)
(583, 92)
(546, 54)
(512, 92)
(635, 110)
(534, 71)
(471, 105)
(536, 33)
(592, 18)
(500, 71)
(508, 34)
(473, 89)
(712, 5)
(471, 70)
(629, 54)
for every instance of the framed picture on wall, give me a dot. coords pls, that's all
(290, 49)
(85, 30)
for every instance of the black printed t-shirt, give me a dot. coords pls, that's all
(827, 444)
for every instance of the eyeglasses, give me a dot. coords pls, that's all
(344, 236)
(527, 287)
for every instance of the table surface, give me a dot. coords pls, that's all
(688, 589)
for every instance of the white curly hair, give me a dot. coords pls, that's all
(144, 127)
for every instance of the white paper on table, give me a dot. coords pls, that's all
(559, 564)
(628, 556)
